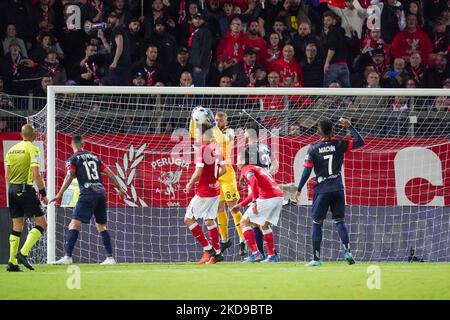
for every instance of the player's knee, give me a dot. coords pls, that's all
(75, 225)
(188, 221)
(266, 226)
(210, 222)
(42, 223)
(244, 222)
(18, 226)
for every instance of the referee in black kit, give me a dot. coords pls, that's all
(22, 168)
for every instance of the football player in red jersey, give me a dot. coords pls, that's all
(209, 166)
(266, 200)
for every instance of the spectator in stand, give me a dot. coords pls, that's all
(200, 44)
(256, 42)
(294, 13)
(395, 76)
(137, 43)
(440, 37)
(441, 104)
(304, 37)
(434, 77)
(45, 41)
(138, 79)
(392, 19)
(225, 81)
(121, 11)
(223, 19)
(181, 65)
(410, 40)
(11, 34)
(15, 12)
(371, 42)
(87, 71)
(359, 79)
(165, 42)
(18, 68)
(336, 51)
(280, 28)
(42, 17)
(411, 83)
(286, 66)
(186, 79)
(52, 67)
(245, 70)
(231, 47)
(158, 12)
(41, 91)
(185, 24)
(312, 68)
(269, 14)
(400, 103)
(118, 48)
(273, 49)
(352, 16)
(415, 68)
(379, 60)
(273, 79)
(91, 10)
(414, 7)
(373, 80)
(153, 71)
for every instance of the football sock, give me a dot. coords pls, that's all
(14, 240)
(259, 239)
(317, 239)
(107, 242)
(72, 237)
(249, 236)
(199, 235)
(32, 238)
(214, 237)
(237, 217)
(269, 241)
(222, 220)
(343, 234)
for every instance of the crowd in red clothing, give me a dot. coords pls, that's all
(300, 43)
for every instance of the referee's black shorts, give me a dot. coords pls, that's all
(23, 201)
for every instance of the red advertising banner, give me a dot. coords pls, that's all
(155, 169)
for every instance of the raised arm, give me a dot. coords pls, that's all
(358, 140)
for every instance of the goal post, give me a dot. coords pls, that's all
(125, 126)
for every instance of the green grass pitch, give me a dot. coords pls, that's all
(286, 280)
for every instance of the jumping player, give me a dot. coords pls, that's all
(209, 166)
(87, 167)
(326, 157)
(267, 200)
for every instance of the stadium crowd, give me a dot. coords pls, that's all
(242, 43)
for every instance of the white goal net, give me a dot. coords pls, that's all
(397, 185)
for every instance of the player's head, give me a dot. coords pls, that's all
(77, 143)
(28, 132)
(221, 119)
(325, 128)
(251, 132)
(207, 133)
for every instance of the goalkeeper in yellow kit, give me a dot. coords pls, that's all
(229, 194)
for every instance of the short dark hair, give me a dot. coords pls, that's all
(77, 139)
(330, 13)
(252, 129)
(326, 126)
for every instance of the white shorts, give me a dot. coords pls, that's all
(268, 210)
(203, 208)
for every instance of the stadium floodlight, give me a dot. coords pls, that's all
(395, 185)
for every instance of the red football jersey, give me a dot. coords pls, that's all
(209, 158)
(263, 184)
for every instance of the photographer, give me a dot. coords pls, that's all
(118, 49)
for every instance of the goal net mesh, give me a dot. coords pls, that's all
(397, 185)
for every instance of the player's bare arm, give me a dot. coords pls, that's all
(197, 173)
(40, 184)
(7, 175)
(70, 175)
(222, 169)
(113, 178)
